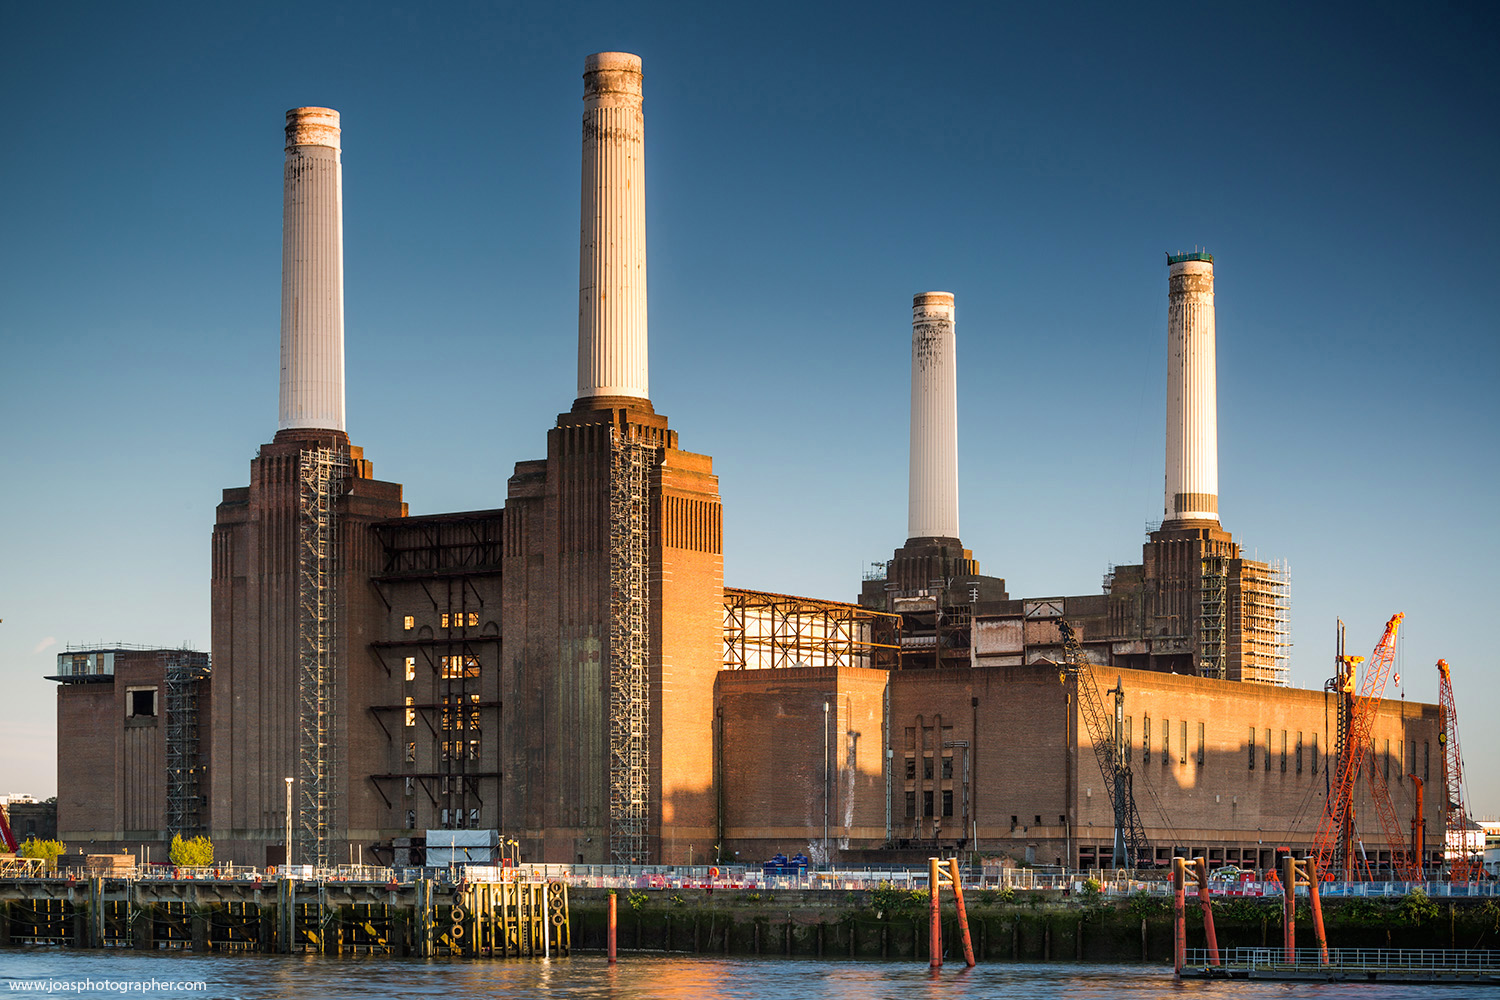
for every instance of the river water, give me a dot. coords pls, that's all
(250, 976)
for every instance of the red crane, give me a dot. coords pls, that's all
(1465, 866)
(5, 833)
(1333, 843)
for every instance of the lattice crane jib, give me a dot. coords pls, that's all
(1114, 765)
(1455, 817)
(1357, 713)
(321, 481)
(629, 647)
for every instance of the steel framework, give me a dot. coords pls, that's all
(321, 481)
(629, 647)
(1107, 738)
(1213, 618)
(1333, 842)
(1455, 818)
(184, 669)
(765, 631)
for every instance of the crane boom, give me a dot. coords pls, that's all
(1454, 817)
(1131, 845)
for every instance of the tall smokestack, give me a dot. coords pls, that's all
(1192, 487)
(932, 509)
(312, 273)
(612, 232)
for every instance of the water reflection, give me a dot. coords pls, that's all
(653, 977)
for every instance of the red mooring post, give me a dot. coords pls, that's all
(1201, 865)
(963, 914)
(935, 925)
(1289, 908)
(1317, 908)
(1179, 916)
(613, 923)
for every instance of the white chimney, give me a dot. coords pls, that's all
(932, 510)
(612, 231)
(312, 273)
(1192, 486)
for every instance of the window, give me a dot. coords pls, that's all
(1283, 751)
(1412, 767)
(411, 819)
(459, 666)
(410, 786)
(1268, 750)
(1127, 739)
(1251, 745)
(140, 703)
(926, 803)
(1146, 739)
(1314, 753)
(411, 668)
(911, 768)
(1299, 753)
(1426, 760)
(458, 621)
(1200, 745)
(411, 712)
(948, 770)
(411, 752)
(1166, 741)
(911, 804)
(927, 770)
(1182, 745)
(948, 802)
(1400, 760)
(1387, 762)
(407, 624)
(474, 818)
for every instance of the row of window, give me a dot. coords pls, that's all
(451, 819)
(448, 619)
(453, 715)
(449, 667)
(943, 766)
(928, 802)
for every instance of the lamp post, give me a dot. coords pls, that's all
(287, 859)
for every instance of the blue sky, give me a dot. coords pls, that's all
(809, 168)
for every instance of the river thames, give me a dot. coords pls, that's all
(251, 976)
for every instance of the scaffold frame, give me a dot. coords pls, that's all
(320, 481)
(185, 668)
(629, 647)
(1213, 618)
(765, 631)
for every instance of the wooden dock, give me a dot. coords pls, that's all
(509, 919)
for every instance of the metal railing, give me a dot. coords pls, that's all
(1469, 961)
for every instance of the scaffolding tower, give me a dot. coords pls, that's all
(184, 669)
(321, 481)
(1213, 618)
(1265, 612)
(629, 648)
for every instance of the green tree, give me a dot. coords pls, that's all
(48, 850)
(194, 853)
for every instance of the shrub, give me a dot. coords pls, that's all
(194, 853)
(1417, 908)
(637, 900)
(47, 850)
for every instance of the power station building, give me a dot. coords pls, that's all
(569, 669)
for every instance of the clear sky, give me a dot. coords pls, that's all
(809, 168)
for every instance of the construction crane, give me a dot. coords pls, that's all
(1333, 844)
(5, 833)
(1108, 742)
(1465, 866)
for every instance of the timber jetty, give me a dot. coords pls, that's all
(509, 918)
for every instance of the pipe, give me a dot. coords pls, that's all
(934, 923)
(963, 914)
(1315, 897)
(1179, 917)
(613, 924)
(1289, 908)
(1201, 865)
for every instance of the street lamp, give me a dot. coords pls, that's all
(287, 858)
